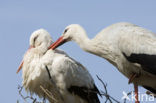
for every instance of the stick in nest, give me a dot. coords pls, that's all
(25, 98)
(49, 94)
(105, 93)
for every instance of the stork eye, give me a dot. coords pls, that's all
(35, 39)
(65, 31)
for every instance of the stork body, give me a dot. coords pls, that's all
(128, 47)
(72, 80)
(131, 49)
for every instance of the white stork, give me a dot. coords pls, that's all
(71, 78)
(128, 47)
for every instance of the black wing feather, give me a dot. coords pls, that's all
(147, 61)
(90, 95)
(150, 89)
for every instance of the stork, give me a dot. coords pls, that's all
(72, 79)
(128, 47)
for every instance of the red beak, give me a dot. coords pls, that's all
(57, 43)
(20, 67)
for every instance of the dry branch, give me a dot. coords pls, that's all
(105, 94)
(25, 98)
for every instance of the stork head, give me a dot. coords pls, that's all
(40, 40)
(72, 32)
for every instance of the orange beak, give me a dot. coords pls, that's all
(20, 67)
(57, 43)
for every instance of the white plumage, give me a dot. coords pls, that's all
(130, 48)
(72, 79)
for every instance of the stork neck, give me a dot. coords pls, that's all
(83, 41)
(103, 50)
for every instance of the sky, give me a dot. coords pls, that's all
(19, 18)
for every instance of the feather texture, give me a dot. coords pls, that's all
(65, 72)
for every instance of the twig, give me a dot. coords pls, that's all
(129, 93)
(34, 100)
(48, 93)
(105, 92)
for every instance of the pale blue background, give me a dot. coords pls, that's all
(18, 19)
